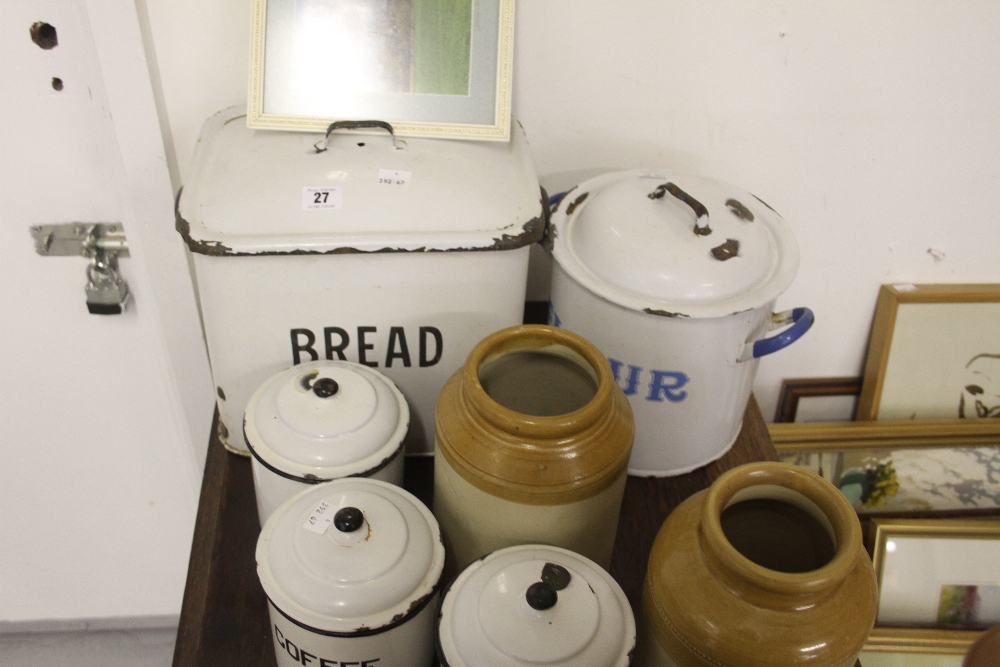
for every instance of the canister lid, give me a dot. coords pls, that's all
(350, 556)
(263, 192)
(673, 244)
(535, 605)
(326, 419)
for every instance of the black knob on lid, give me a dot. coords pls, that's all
(348, 519)
(325, 387)
(541, 596)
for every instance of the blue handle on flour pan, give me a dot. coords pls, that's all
(800, 319)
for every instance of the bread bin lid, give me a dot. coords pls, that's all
(535, 605)
(351, 556)
(326, 419)
(255, 192)
(673, 244)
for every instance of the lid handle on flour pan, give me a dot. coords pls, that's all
(701, 227)
(801, 320)
(321, 146)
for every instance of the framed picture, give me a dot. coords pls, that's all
(430, 68)
(934, 353)
(902, 467)
(938, 583)
(817, 399)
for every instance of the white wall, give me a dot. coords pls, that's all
(872, 126)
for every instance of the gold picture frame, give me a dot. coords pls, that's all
(930, 347)
(887, 539)
(430, 68)
(906, 467)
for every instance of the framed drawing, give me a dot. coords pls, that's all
(817, 399)
(904, 467)
(934, 353)
(430, 68)
(939, 584)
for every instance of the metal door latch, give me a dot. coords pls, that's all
(102, 243)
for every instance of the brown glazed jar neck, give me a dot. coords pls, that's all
(528, 458)
(763, 586)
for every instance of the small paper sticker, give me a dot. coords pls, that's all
(394, 177)
(315, 199)
(321, 518)
(906, 287)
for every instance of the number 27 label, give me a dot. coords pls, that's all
(321, 198)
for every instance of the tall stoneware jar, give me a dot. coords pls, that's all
(532, 447)
(766, 567)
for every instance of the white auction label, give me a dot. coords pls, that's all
(314, 199)
(321, 518)
(394, 177)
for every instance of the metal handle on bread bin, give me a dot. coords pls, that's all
(321, 146)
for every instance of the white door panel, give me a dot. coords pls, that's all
(104, 418)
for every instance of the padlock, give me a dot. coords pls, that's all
(107, 292)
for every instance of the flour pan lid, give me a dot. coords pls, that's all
(673, 244)
(350, 572)
(262, 192)
(498, 612)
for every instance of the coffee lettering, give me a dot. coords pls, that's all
(632, 384)
(280, 637)
(363, 347)
(328, 333)
(668, 385)
(369, 663)
(438, 346)
(298, 347)
(397, 335)
(289, 646)
(307, 657)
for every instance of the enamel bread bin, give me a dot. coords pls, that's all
(320, 421)
(674, 277)
(398, 255)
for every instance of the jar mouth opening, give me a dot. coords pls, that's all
(538, 377)
(755, 515)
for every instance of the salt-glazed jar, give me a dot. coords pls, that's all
(765, 567)
(533, 440)
(535, 605)
(351, 570)
(321, 421)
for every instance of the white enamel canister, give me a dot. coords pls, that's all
(351, 570)
(674, 278)
(399, 255)
(535, 605)
(320, 421)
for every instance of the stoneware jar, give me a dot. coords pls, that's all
(351, 571)
(533, 440)
(675, 277)
(535, 605)
(766, 567)
(321, 421)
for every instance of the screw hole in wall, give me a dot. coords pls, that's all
(44, 35)
(57, 83)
